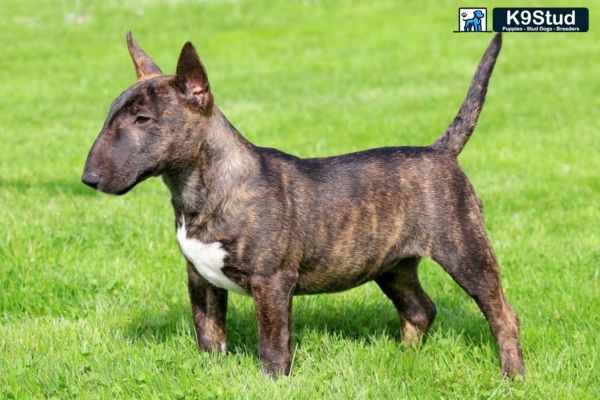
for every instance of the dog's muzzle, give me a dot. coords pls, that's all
(91, 179)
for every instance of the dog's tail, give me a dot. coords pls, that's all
(461, 128)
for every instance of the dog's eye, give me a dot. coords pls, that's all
(140, 119)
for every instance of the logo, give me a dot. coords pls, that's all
(472, 20)
(541, 19)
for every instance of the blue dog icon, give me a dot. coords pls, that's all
(473, 24)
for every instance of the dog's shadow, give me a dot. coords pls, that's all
(354, 321)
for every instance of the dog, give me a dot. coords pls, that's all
(269, 225)
(474, 24)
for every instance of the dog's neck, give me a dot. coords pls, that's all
(222, 161)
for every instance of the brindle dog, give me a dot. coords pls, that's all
(271, 225)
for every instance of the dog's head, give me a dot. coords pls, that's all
(478, 14)
(148, 128)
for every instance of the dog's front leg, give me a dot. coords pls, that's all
(273, 301)
(209, 309)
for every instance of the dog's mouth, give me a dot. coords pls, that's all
(110, 187)
(140, 178)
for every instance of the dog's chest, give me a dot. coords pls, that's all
(208, 259)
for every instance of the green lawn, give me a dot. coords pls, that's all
(93, 298)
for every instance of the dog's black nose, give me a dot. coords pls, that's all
(91, 179)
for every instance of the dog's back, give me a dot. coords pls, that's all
(351, 216)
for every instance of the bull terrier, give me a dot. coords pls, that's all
(270, 225)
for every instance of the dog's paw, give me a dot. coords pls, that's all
(512, 365)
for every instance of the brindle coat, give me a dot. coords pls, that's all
(300, 226)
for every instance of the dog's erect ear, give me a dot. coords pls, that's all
(144, 66)
(192, 80)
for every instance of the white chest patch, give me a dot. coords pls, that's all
(207, 258)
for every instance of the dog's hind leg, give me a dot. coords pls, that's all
(466, 254)
(415, 308)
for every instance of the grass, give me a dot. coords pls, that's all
(93, 301)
